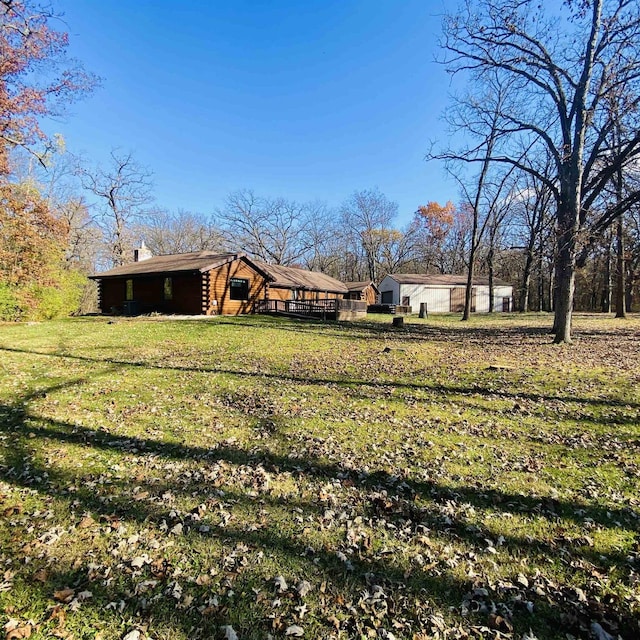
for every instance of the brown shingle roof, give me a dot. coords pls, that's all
(360, 286)
(443, 280)
(292, 278)
(196, 261)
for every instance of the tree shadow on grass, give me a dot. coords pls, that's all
(410, 332)
(411, 509)
(341, 381)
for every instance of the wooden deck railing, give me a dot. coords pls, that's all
(316, 309)
(326, 309)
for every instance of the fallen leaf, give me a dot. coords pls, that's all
(64, 595)
(140, 561)
(229, 632)
(42, 575)
(294, 630)
(303, 588)
(19, 632)
(280, 583)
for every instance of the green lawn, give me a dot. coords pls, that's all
(241, 477)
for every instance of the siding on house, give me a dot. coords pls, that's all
(443, 293)
(217, 289)
(206, 283)
(197, 283)
(148, 294)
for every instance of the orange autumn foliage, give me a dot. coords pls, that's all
(437, 219)
(32, 84)
(32, 239)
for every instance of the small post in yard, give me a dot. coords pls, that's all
(398, 321)
(423, 310)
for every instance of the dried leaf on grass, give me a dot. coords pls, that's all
(64, 595)
(15, 630)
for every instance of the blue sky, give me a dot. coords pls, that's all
(309, 100)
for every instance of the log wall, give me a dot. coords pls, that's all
(216, 296)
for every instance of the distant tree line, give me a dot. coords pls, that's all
(549, 187)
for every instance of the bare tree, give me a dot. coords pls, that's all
(367, 217)
(501, 204)
(397, 250)
(121, 191)
(483, 193)
(275, 231)
(560, 69)
(633, 261)
(326, 236)
(532, 221)
(166, 232)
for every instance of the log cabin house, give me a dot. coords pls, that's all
(207, 283)
(198, 283)
(366, 291)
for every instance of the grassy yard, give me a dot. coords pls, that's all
(255, 477)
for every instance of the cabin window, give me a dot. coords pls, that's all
(168, 289)
(294, 294)
(239, 289)
(128, 290)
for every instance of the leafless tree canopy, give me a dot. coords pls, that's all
(122, 190)
(274, 230)
(165, 232)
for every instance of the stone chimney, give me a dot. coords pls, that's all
(142, 253)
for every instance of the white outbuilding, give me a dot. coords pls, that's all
(444, 293)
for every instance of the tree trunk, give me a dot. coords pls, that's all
(543, 292)
(526, 278)
(629, 293)
(565, 277)
(466, 314)
(490, 266)
(620, 271)
(606, 293)
(526, 283)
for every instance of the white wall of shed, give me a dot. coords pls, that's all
(502, 292)
(482, 298)
(438, 299)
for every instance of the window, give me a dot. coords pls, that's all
(128, 293)
(168, 289)
(239, 289)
